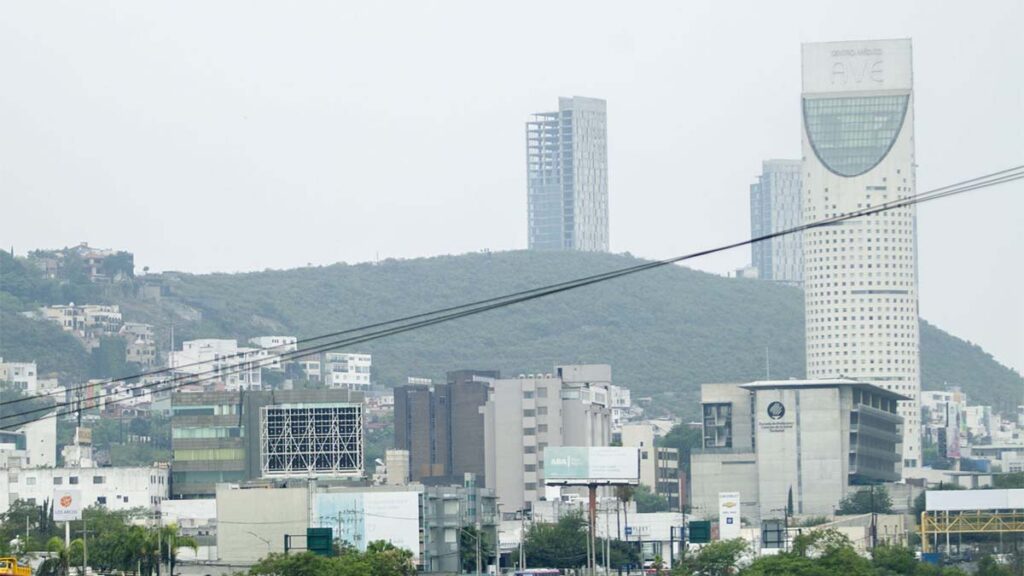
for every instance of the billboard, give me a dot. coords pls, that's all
(363, 517)
(728, 515)
(857, 66)
(964, 500)
(67, 505)
(595, 465)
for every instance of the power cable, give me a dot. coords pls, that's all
(980, 182)
(1006, 175)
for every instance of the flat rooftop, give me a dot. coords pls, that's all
(823, 383)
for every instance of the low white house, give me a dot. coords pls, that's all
(114, 488)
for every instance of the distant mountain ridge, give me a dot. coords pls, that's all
(664, 331)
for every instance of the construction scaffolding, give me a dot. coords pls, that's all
(311, 440)
(937, 523)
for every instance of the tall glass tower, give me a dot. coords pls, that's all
(775, 205)
(567, 176)
(860, 276)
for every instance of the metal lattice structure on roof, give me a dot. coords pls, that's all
(311, 440)
(942, 523)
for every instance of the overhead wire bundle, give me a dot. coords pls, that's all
(332, 341)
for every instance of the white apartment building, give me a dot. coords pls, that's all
(139, 344)
(525, 415)
(88, 322)
(860, 275)
(276, 345)
(346, 371)
(621, 404)
(22, 375)
(113, 488)
(33, 445)
(222, 362)
(659, 466)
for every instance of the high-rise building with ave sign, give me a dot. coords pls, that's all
(860, 275)
(567, 176)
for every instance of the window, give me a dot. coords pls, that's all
(101, 500)
(73, 480)
(58, 481)
(99, 480)
(30, 480)
(529, 413)
(851, 135)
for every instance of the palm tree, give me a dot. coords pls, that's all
(59, 562)
(624, 493)
(170, 542)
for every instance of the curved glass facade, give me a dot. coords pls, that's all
(851, 135)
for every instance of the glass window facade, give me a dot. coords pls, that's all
(209, 454)
(852, 135)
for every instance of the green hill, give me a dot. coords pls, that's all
(664, 332)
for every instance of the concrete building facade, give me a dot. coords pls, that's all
(22, 375)
(525, 415)
(122, 488)
(442, 426)
(860, 275)
(346, 371)
(809, 438)
(567, 176)
(659, 465)
(220, 437)
(775, 205)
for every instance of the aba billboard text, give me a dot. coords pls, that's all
(595, 465)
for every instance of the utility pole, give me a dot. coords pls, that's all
(85, 542)
(478, 535)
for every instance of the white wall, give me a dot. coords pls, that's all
(114, 488)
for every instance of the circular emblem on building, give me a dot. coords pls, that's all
(776, 410)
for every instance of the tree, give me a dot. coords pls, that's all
(987, 566)
(1012, 480)
(386, 559)
(468, 548)
(622, 554)
(560, 545)
(893, 560)
(647, 501)
(61, 557)
(874, 499)
(624, 493)
(684, 439)
(171, 541)
(716, 559)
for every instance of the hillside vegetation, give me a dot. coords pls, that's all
(664, 331)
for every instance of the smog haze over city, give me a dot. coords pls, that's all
(242, 136)
(522, 288)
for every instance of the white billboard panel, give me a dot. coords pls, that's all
(599, 465)
(857, 66)
(67, 505)
(959, 500)
(363, 517)
(728, 515)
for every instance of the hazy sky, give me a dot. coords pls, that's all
(235, 136)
